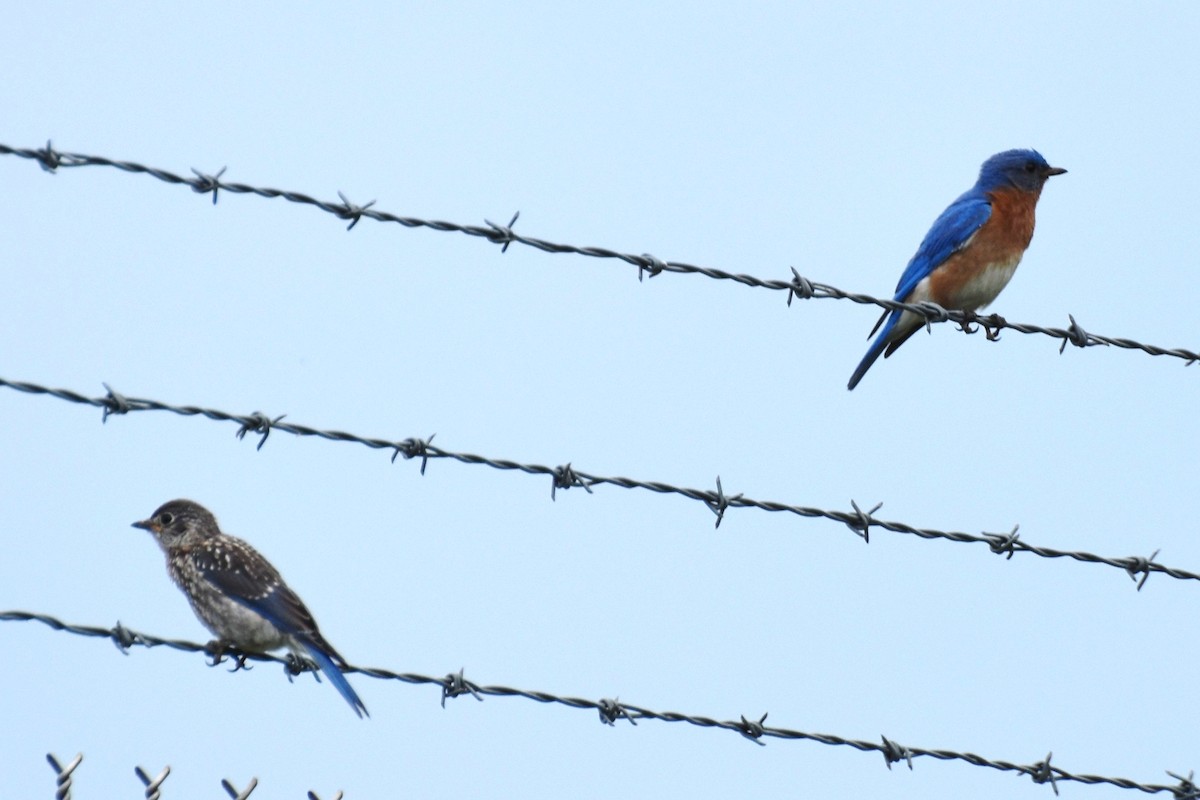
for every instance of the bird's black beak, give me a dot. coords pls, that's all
(147, 525)
(1055, 171)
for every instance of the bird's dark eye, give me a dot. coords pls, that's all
(1030, 166)
(166, 518)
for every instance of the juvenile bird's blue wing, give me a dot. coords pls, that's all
(240, 572)
(951, 232)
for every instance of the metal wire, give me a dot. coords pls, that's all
(63, 777)
(239, 795)
(610, 711)
(153, 785)
(566, 476)
(504, 235)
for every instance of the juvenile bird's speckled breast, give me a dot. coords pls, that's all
(226, 618)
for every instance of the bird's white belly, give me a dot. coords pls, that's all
(245, 629)
(981, 289)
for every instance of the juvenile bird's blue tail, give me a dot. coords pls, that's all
(325, 661)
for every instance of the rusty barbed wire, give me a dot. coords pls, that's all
(611, 711)
(796, 287)
(566, 477)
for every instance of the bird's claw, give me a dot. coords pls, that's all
(216, 650)
(298, 665)
(992, 324)
(219, 649)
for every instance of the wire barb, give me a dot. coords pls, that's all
(503, 234)
(564, 478)
(1076, 335)
(48, 159)
(63, 779)
(650, 264)
(1001, 543)
(1042, 772)
(1186, 790)
(454, 684)
(894, 752)
(123, 638)
(205, 183)
(234, 794)
(800, 287)
(932, 312)
(411, 448)
(114, 403)
(258, 422)
(718, 503)
(611, 710)
(351, 211)
(153, 785)
(1137, 564)
(753, 730)
(860, 522)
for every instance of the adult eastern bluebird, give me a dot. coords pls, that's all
(972, 250)
(236, 592)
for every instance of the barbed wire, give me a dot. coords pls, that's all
(504, 235)
(152, 785)
(566, 477)
(612, 710)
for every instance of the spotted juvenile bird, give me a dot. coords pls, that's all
(236, 592)
(972, 250)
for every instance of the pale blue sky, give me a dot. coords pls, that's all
(750, 138)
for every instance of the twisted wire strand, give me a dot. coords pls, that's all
(611, 711)
(566, 477)
(504, 235)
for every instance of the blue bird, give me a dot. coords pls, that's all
(236, 592)
(972, 250)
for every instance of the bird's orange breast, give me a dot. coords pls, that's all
(973, 276)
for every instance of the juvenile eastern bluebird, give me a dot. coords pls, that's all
(237, 594)
(972, 250)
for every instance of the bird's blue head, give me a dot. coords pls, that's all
(1025, 170)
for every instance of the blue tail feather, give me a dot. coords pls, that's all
(875, 350)
(325, 662)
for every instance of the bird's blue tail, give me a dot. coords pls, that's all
(876, 349)
(325, 662)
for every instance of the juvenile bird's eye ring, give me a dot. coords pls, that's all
(166, 518)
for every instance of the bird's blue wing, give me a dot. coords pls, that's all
(239, 572)
(950, 232)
